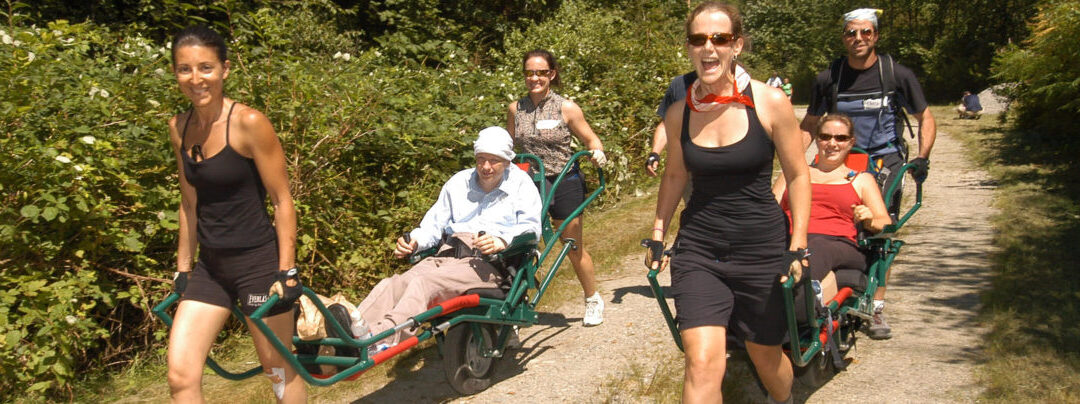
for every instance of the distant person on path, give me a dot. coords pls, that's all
(873, 91)
(787, 88)
(733, 246)
(545, 124)
(774, 80)
(969, 107)
(497, 198)
(841, 199)
(229, 159)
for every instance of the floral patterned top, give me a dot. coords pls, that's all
(541, 130)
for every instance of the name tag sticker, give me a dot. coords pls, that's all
(547, 124)
(871, 103)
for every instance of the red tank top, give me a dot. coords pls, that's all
(830, 209)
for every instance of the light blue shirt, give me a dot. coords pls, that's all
(509, 210)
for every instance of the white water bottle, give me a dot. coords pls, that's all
(358, 327)
(817, 291)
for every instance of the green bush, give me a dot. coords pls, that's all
(1045, 69)
(88, 227)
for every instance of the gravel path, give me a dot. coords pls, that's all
(933, 296)
(932, 305)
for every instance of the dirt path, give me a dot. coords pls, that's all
(560, 361)
(933, 296)
(932, 304)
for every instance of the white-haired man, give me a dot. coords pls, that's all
(871, 89)
(496, 198)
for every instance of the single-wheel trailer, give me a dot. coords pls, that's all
(820, 335)
(471, 330)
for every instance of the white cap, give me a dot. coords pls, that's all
(865, 14)
(495, 140)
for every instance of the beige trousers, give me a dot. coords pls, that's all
(433, 280)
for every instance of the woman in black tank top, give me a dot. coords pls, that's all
(731, 250)
(229, 160)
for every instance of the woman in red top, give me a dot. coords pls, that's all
(840, 199)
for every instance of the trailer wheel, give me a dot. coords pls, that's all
(467, 370)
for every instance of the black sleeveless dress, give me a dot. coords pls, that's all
(238, 252)
(732, 235)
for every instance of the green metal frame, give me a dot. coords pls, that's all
(882, 249)
(515, 310)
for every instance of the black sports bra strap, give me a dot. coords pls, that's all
(228, 123)
(183, 134)
(685, 135)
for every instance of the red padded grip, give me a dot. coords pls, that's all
(523, 166)
(842, 295)
(458, 303)
(824, 337)
(394, 350)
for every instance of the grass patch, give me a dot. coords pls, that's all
(610, 235)
(1033, 306)
(662, 382)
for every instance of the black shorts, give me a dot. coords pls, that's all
(831, 253)
(568, 196)
(741, 291)
(222, 276)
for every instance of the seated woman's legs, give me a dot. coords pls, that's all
(828, 254)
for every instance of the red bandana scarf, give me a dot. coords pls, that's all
(712, 101)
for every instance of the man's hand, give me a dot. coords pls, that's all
(920, 168)
(404, 248)
(488, 244)
(652, 163)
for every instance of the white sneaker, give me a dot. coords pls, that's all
(594, 310)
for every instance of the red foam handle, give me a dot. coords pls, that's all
(458, 303)
(523, 166)
(824, 337)
(842, 295)
(394, 350)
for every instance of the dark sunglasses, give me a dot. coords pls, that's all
(538, 73)
(825, 137)
(850, 33)
(717, 39)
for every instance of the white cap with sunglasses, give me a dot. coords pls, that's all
(865, 14)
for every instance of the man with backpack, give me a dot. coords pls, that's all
(874, 91)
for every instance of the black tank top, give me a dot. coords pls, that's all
(732, 202)
(230, 196)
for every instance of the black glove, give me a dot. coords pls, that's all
(179, 282)
(655, 253)
(793, 256)
(653, 157)
(919, 169)
(287, 294)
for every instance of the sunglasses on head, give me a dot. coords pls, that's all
(537, 73)
(717, 39)
(850, 33)
(839, 137)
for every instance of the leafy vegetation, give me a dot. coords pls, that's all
(88, 225)
(949, 44)
(375, 101)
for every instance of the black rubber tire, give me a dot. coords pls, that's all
(816, 373)
(467, 371)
